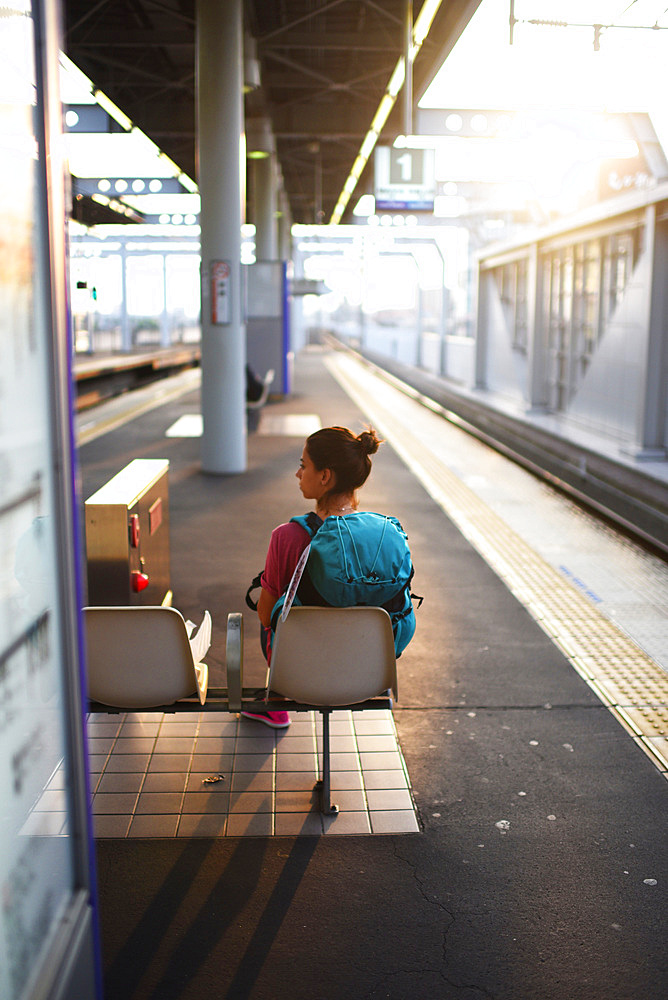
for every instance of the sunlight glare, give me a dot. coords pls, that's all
(551, 67)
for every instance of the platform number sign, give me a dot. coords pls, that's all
(404, 179)
(406, 166)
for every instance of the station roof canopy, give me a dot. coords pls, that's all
(324, 67)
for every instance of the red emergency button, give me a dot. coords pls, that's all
(139, 581)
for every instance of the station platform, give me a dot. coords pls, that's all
(104, 374)
(504, 836)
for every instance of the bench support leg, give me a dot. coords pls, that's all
(326, 805)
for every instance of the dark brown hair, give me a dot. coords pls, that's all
(347, 455)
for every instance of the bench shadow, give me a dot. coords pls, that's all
(217, 911)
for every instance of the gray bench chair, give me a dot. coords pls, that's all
(254, 406)
(323, 659)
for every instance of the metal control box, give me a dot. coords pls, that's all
(127, 537)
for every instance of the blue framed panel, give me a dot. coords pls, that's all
(47, 922)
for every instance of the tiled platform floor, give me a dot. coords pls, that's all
(148, 776)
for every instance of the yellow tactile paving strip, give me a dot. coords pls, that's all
(625, 678)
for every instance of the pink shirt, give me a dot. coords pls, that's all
(287, 543)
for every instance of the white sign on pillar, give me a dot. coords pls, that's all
(221, 300)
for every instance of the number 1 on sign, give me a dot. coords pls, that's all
(405, 163)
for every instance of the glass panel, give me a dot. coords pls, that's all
(36, 870)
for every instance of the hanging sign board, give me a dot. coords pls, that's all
(221, 304)
(404, 179)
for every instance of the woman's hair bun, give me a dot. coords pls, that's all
(369, 440)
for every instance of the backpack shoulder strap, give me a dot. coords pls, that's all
(310, 522)
(255, 583)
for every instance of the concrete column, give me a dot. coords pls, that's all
(126, 333)
(481, 312)
(537, 364)
(165, 332)
(651, 443)
(284, 229)
(408, 60)
(419, 347)
(261, 152)
(221, 179)
(264, 209)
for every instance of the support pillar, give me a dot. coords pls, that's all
(221, 179)
(126, 333)
(651, 431)
(165, 331)
(481, 312)
(264, 209)
(537, 387)
(263, 186)
(284, 228)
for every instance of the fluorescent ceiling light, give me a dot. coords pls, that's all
(188, 183)
(421, 28)
(423, 21)
(130, 153)
(383, 112)
(112, 110)
(397, 78)
(368, 144)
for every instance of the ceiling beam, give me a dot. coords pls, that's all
(328, 41)
(288, 26)
(138, 38)
(136, 75)
(320, 120)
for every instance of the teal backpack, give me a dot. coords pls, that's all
(360, 559)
